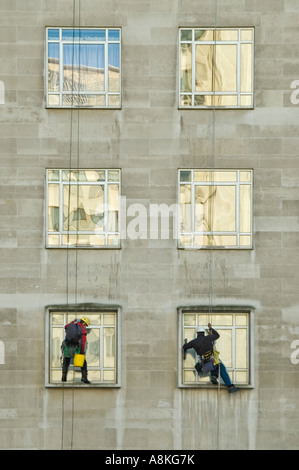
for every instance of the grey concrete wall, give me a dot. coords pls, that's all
(149, 139)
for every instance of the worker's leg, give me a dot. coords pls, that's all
(84, 373)
(65, 367)
(224, 375)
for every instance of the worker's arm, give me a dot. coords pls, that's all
(214, 335)
(188, 345)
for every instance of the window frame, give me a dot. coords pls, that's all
(237, 232)
(212, 93)
(61, 92)
(210, 311)
(82, 310)
(61, 232)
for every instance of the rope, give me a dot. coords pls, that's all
(211, 217)
(68, 224)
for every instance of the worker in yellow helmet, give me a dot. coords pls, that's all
(75, 343)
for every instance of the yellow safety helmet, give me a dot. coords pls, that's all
(86, 320)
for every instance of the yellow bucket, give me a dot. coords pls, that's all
(79, 360)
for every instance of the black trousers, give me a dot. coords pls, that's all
(65, 368)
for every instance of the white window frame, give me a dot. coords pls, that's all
(237, 93)
(62, 92)
(74, 374)
(237, 233)
(61, 232)
(209, 311)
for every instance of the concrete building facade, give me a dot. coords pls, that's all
(148, 281)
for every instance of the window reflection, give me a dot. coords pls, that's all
(223, 67)
(101, 350)
(83, 67)
(233, 343)
(83, 207)
(215, 209)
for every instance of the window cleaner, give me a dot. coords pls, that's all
(75, 344)
(204, 348)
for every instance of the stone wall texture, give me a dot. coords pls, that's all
(149, 138)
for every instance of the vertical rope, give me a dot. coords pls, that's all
(68, 223)
(212, 187)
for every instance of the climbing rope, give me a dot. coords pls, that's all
(68, 271)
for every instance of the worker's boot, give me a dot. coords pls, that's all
(233, 389)
(64, 370)
(84, 378)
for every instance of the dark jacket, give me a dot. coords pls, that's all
(202, 344)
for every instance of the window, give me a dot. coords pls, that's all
(103, 348)
(233, 325)
(83, 67)
(215, 208)
(83, 208)
(216, 68)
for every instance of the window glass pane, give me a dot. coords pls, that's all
(53, 34)
(232, 345)
(53, 240)
(83, 67)
(186, 35)
(246, 67)
(241, 377)
(189, 334)
(57, 338)
(246, 35)
(189, 376)
(245, 208)
(241, 320)
(109, 376)
(114, 67)
(221, 74)
(83, 240)
(189, 319)
(53, 175)
(226, 67)
(53, 100)
(113, 175)
(109, 347)
(93, 348)
(53, 66)
(186, 67)
(216, 211)
(223, 320)
(186, 100)
(204, 35)
(224, 346)
(245, 240)
(84, 34)
(53, 207)
(113, 199)
(113, 35)
(185, 207)
(241, 348)
(204, 75)
(96, 319)
(245, 176)
(57, 319)
(108, 319)
(185, 176)
(202, 320)
(227, 35)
